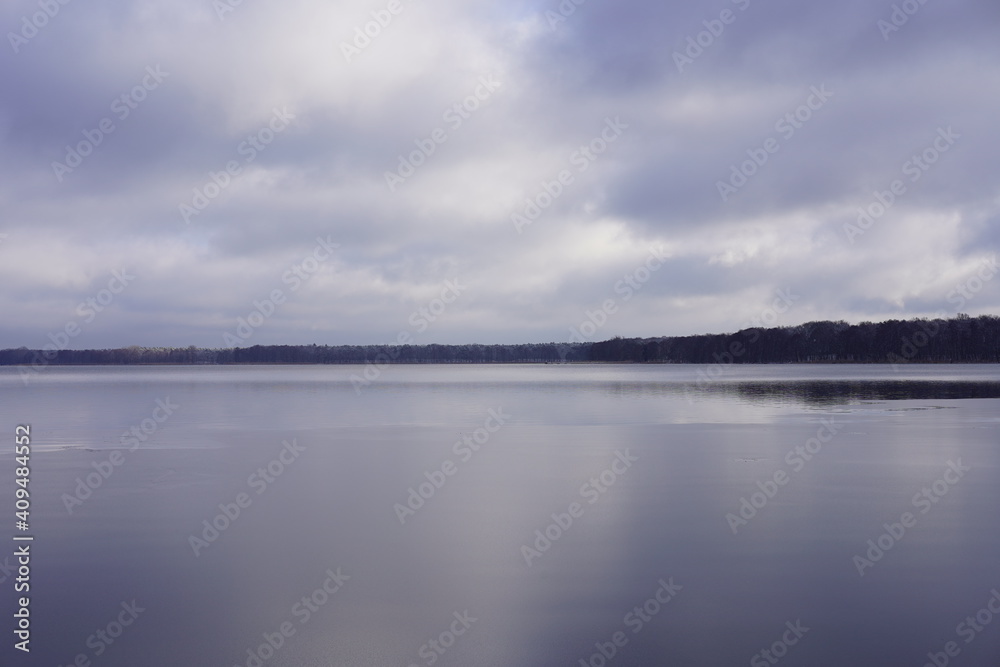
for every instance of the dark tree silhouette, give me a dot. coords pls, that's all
(963, 339)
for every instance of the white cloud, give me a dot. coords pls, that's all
(656, 185)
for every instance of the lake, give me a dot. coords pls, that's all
(508, 515)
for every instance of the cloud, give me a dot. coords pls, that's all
(368, 88)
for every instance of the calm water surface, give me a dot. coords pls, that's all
(509, 515)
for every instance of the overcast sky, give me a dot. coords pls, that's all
(119, 120)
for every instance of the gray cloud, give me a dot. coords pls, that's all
(324, 175)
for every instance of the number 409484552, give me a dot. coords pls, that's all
(22, 474)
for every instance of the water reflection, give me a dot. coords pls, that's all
(832, 392)
(701, 448)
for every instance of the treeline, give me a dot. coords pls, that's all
(306, 354)
(963, 339)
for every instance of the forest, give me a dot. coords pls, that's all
(962, 339)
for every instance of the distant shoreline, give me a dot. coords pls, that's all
(960, 340)
(520, 363)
